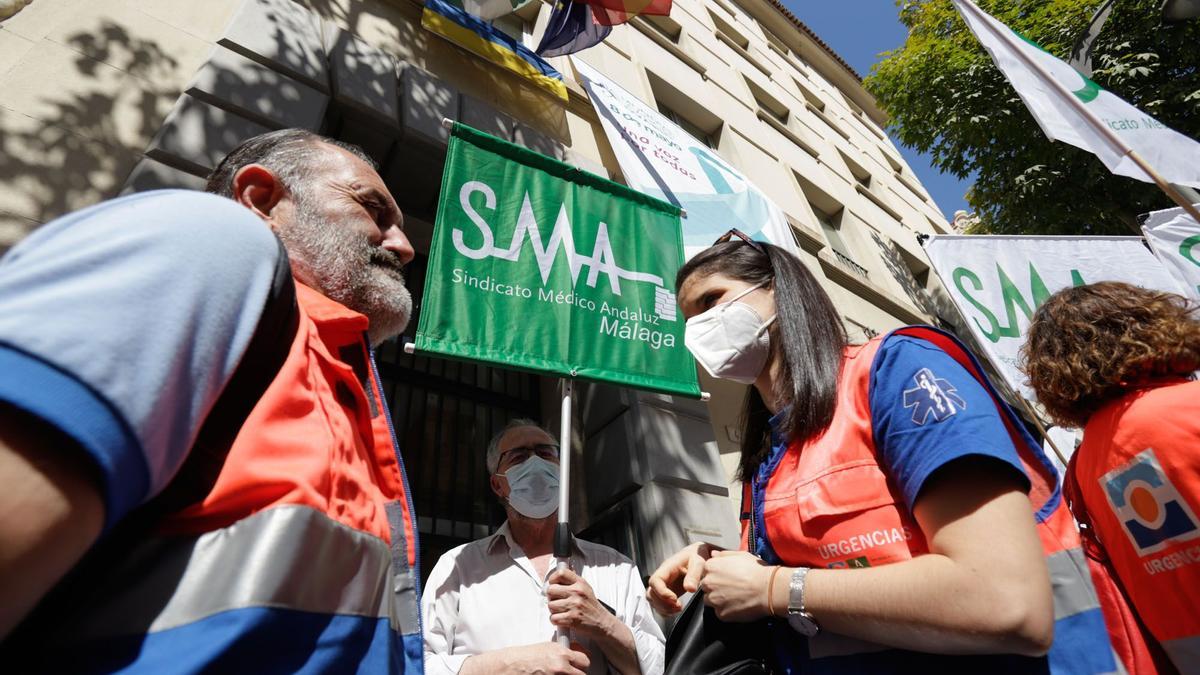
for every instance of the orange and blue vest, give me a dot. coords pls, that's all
(121, 325)
(844, 499)
(1138, 473)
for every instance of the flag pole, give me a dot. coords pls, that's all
(1003, 383)
(562, 532)
(1081, 108)
(1165, 186)
(1037, 421)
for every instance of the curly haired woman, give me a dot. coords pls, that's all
(1118, 360)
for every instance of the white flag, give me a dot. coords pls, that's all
(1036, 75)
(492, 9)
(661, 159)
(1174, 236)
(997, 282)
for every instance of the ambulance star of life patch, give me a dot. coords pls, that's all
(932, 396)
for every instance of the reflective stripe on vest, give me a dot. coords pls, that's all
(831, 505)
(286, 557)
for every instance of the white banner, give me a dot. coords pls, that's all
(1175, 238)
(997, 282)
(1057, 94)
(661, 159)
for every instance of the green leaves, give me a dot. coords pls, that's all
(945, 97)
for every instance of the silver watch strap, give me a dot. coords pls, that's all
(796, 591)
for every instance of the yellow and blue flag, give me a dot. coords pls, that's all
(478, 37)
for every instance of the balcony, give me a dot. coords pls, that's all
(848, 262)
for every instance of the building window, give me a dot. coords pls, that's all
(665, 26)
(693, 130)
(906, 179)
(866, 122)
(860, 173)
(768, 103)
(774, 41)
(726, 29)
(816, 105)
(809, 95)
(513, 26)
(832, 227)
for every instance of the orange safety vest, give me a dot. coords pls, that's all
(301, 555)
(1138, 473)
(829, 504)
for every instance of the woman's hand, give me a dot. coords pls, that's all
(677, 575)
(735, 585)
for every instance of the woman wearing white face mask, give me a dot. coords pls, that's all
(887, 493)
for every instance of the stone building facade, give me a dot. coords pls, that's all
(104, 97)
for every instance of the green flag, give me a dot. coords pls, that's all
(540, 266)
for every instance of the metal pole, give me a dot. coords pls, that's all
(1166, 187)
(562, 532)
(1037, 421)
(1080, 107)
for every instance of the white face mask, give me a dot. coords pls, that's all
(730, 340)
(533, 487)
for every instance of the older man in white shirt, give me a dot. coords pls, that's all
(493, 605)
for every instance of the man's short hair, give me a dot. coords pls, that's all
(290, 154)
(493, 450)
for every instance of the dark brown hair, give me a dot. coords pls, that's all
(1091, 344)
(807, 335)
(291, 154)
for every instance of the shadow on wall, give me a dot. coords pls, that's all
(82, 145)
(903, 274)
(73, 132)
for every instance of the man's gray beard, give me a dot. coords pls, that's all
(348, 269)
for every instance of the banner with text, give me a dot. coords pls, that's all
(997, 282)
(541, 266)
(661, 159)
(1174, 236)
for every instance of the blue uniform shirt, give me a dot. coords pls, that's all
(926, 412)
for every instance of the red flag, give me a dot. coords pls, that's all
(614, 12)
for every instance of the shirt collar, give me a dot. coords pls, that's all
(776, 423)
(505, 534)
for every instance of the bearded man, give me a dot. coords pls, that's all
(228, 526)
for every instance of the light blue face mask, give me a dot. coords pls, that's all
(533, 487)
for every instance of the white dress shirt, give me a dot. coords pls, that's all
(485, 596)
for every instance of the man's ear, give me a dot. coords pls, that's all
(258, 188)
(497, 485)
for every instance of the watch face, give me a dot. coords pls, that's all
(802, 624)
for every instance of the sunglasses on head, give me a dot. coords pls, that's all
(734, 232)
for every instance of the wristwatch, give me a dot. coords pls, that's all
(800, 620)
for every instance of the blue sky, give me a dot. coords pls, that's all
(859, 30)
